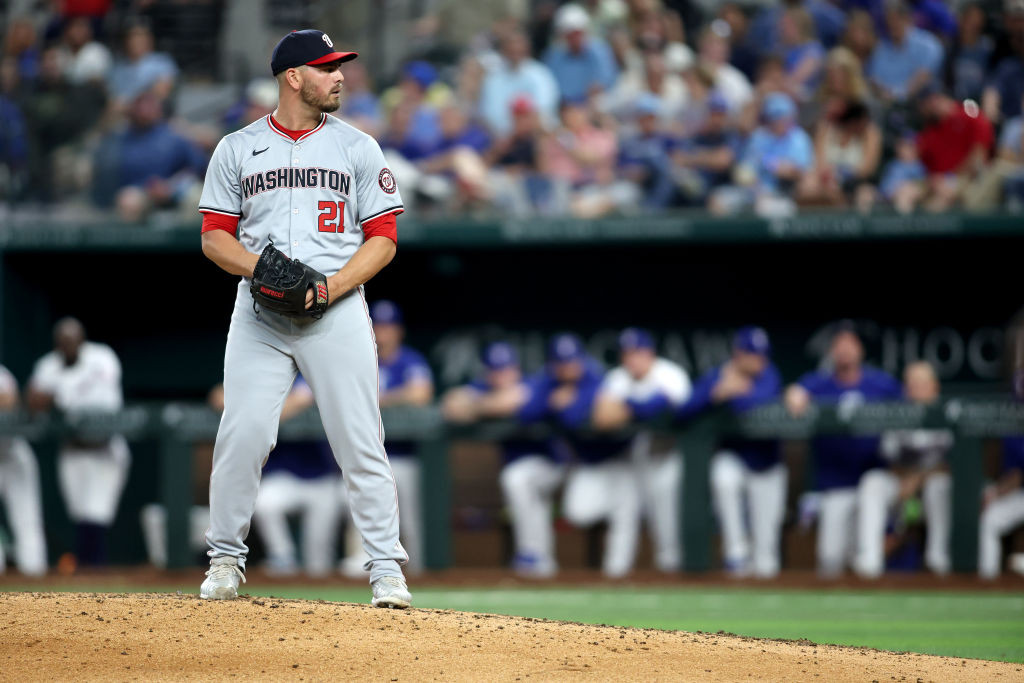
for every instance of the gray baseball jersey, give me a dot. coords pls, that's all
(312, 196)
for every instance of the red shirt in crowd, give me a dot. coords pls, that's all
(945, 145)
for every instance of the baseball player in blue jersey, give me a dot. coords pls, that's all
(19, 489)
(299, 477)
(840, 461)
(644, 387)
(301, 184)
(529, 476)
(748, 478)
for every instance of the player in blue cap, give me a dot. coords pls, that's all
(746, 475)
(405, 379)
(643, 387)
(530, 477)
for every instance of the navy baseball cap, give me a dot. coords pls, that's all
(565, 348)
(633, 338)
(500, 355)
(385, 312)
(308, 46)
(752, 340)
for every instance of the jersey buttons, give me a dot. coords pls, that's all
(295, 210)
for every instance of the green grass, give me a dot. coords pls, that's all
(984, 625)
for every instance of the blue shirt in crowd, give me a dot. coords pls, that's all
(898, 172)
(577, 74)
(758, 454)
(503, 84)
(1008, 80)
(128, 80)
(765, 151)
(1013, 454)
(841, 460)
(405, 366)
(893, 66)
(303, 459)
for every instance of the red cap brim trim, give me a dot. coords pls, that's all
(334, 57)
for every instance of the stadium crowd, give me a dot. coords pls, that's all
(867, 489)
(603, 107)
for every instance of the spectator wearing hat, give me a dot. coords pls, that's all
(601, 486)
(954, 146)
(702, 163)
(581, 62)
(414, 125)
(644, 164)
(774, 161)
(904, 179)
(530, 476)
(841, 461)
(748, 477)
(518, 187)
(517, 75)
(579, 157)
(644, 387)
(847, 151)
(906, 58)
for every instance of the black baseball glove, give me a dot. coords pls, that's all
(280, 284)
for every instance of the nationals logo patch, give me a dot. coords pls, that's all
(387, 181)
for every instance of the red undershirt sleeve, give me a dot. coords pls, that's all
(383, 226)
(219, 221)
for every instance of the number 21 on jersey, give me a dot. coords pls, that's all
(331, 217)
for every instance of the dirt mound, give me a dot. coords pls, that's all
(84, 636)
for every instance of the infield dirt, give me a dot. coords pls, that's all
(88, 636)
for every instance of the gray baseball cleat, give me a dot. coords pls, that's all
(222, 579)
(391, 591)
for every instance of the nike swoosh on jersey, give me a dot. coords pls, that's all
(254, 152)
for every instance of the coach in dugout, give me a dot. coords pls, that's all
(841, 461)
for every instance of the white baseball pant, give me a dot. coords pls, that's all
(660, 477)
(316, 501)
(410, 526)
(1001, 517)
(153, 519)
(877, 493)
(837, 526)
(337, 356)
(744, 500)
(607, 491)
(19, 487)
(529, 484)
(92, 479)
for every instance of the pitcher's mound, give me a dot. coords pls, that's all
(86, 636)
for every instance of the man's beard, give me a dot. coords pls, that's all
(325, 104)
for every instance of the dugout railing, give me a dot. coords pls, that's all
(175, 429)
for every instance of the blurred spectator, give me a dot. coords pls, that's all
(652, 79)
(1002, 508)
(259, 100)
(20, 491)
(847, 150)
(519, 189)
(841, 461)
(1003, 178)
(405, 380)
(530, 475)
(580, 157)
(916, 466)
(140, 69)
(955, 146)
(85, 59)
(147, 165)
(967, 66)
(654, 30)
(700, 84)
(359, 105)
(581, 63)
(824, 18)
(934, 16)
(714, 56)
(906, 59)
(860, 36)
(517, 75)
(703, 162)
(644, 156)
(77, 378)
(60, 113)
(904, 179)
(14, 149)
(802, 53)
(414, 126)
(748, 477)
(774, 162)
(601, 486)
(642, 388)
(842, 82)
(299, 477)
(1005, 88)
(21, 45)
(734, 24)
